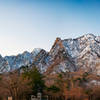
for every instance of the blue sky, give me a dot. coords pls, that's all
(29, 24)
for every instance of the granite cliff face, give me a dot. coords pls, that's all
(72, 55)
(10, 63)
(4, 66)
(66, 55)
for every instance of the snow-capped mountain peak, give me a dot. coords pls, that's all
(73, 54)
(9, 63)
(82, 53)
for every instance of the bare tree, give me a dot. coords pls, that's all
(14, 85)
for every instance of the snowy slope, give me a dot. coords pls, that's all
(9, 63)
(72, 55)
(66, 55)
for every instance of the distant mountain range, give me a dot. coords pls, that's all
(10, 63)
(66, 55)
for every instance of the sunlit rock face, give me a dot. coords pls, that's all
(85, 51)
(66, 55)
(71, 55)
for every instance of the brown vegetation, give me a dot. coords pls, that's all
(76, 85)
(13, 85)
(68, 86)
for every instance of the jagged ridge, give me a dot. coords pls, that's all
(72, 55)
(66, 55)
(10, 63)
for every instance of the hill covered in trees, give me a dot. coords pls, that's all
(78, 85)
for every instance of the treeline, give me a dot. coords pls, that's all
(72, 86)
(21, 85)
(75, 86)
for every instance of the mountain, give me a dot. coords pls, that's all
(68, 55)
(10, 63)
(4, 66)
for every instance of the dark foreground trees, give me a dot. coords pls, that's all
(70, 86)
(35, 79)
(20, 85)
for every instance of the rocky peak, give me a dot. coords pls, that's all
(88, 36)
(36, 50)
(65, 55)
(58, 45)
(9, 63)
(25, 53)
(74, 54)
(4, 66)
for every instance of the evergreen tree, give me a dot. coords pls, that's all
(35, 78)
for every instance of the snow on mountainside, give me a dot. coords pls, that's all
(66, 55)
(72, 55)
(85, 51)
(9, 63)
(4, 66)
